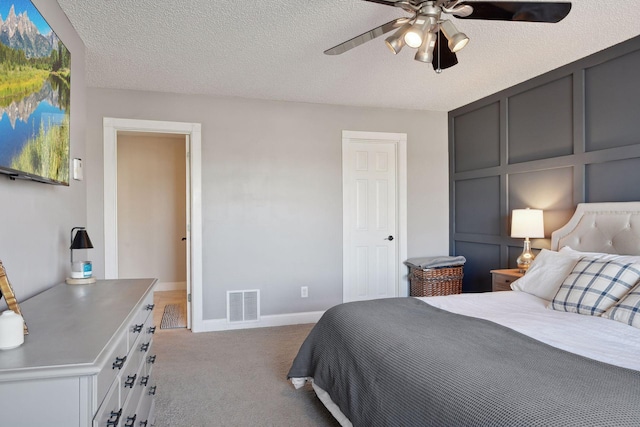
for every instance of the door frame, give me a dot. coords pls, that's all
(111, 127)
(400, 141)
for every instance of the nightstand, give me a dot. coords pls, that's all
(501, 279)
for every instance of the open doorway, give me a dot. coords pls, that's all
(116, 264)
(152, 218)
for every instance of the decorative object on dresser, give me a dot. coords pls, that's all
(526, 223)
(6, 291)
(88, 360)
(501, 279)
(11, 330)
(432, 276)
(81, 271)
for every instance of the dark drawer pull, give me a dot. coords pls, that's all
(144, 380)
(151, 330)
(144, 347)
(131, 421)
(151, 359)
(131, 381)
(152, 390)
(119, 363)
(114, 419)
(138, 328)
(149, 307)
(143, 423)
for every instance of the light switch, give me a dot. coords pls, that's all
(77, 169)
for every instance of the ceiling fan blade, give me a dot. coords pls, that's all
(384, 2)
(365, 37)
(518, 11)
(443, 58)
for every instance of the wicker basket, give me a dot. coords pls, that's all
(436, 281)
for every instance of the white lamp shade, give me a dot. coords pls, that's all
(527, 223)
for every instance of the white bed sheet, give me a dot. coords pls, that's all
(594, 337)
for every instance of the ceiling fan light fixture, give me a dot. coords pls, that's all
(457, 40)
(414, 37)
(425, 24)
(425, 53)
(395, 43)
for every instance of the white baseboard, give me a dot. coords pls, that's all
(170, 286)
(213, 325)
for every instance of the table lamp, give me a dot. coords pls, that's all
(81, 272)
(526, 223)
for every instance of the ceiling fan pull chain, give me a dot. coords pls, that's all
(439, 70)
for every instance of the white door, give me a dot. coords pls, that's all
(370, 216)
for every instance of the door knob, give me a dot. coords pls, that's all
(184, 238)
(390, 238)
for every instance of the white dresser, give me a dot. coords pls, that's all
(87, 361)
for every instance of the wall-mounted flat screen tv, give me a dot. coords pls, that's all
(35, 88)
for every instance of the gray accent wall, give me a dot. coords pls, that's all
(36, 218)
(569, 136)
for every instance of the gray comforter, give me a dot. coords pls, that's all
(401, 362)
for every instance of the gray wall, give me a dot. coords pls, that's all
(569, 136)
(272, 189)
(35, 219)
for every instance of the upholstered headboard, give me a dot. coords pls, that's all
(602, 227)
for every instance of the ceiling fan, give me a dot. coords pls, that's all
(425, 29)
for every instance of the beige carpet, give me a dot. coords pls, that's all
(234, 378)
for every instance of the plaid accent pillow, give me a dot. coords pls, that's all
(595, 285)
(627, 310)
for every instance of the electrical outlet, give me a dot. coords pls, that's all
(304, 292)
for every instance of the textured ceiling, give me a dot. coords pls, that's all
(272, 49)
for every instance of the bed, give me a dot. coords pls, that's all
(562, 349)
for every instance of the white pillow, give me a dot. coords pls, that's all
(546, 273)
(595, 285)
(600, 255)
(627, 310)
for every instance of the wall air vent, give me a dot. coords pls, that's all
(243, 306)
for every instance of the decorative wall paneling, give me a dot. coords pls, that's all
(568, 136)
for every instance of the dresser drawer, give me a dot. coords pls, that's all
(110, 411)
(115, 363)
(136, 329)
(146, 401)
(132, 370)
(139, 324)
(502, 282)
(147, 307)
(130, 417)
(144, 346)
(150, 360)
(138, 346)
(502, 279)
